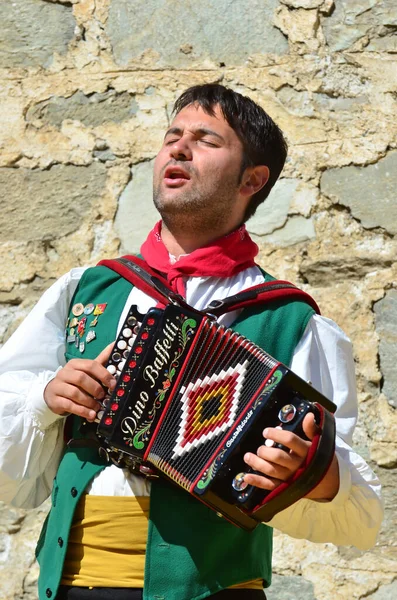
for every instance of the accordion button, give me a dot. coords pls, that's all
(127, 332)
(131, 321)
(122, 345)
(287, 413)
(116, 357)
(238, 482)
(112, 369)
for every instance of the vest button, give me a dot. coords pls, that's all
(73, 491)
(48, 593)
(60, 542)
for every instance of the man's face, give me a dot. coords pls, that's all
(197, 171)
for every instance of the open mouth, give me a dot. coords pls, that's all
(175, 175)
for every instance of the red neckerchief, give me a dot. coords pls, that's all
(223, 257)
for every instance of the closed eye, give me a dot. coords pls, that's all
(209, 143)
(170, 141)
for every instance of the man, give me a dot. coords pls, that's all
(219, 160)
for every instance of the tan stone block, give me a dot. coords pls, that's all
(300, 25)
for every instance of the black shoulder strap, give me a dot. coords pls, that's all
(152, 283)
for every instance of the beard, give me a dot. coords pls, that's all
(200, 208)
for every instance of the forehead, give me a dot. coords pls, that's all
(193, 118)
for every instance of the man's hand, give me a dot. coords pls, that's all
(278, 465)
(76, 388)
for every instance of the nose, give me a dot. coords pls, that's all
(181, 150)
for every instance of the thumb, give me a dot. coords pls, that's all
(310, 427)
(105, 354)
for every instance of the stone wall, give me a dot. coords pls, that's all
(86, 91)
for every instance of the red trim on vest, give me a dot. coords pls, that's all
(293, 293)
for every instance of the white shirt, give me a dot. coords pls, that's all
(31, 436)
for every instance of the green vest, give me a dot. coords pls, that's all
(191, 552)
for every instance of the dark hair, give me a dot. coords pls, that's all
(263, 141)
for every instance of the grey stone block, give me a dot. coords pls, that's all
(385, 592)
(386, 327)
(290, 588)
(45, 205)
(136, 214)
(351, 21)
(370, 192)
(32, 30)
(176, 33)
(272, 224)
(92, 110)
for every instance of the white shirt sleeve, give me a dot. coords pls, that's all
(31, 435)
(354, 516)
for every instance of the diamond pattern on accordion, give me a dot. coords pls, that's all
(209, 407)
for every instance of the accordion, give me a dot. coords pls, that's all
(192, 397)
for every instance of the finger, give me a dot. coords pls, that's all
(81, 380)
(310, 426)
(290, 461)
(266, 468)
(104, 356)
(77, 396)
(67, 406)
(92, 368)
(288, 439)
(261, 482)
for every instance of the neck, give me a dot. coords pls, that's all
(180, 242)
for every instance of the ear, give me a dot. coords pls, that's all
(253, 180)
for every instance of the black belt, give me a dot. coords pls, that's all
(102, 593)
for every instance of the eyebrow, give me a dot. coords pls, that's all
(200, 131)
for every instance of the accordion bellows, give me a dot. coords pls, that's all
(192, 397)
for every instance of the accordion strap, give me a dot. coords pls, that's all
(152, 283)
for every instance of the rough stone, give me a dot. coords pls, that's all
(352, 21)
(90, 109)
(299, 25)
(32, 31)
(368, 191)
(296, 102)
(290, 588)
(160, 32)
(386, 327)
(36, 200)
(270, 224)
(296, 230)
(136, 213)
(385, 592)
(272, 214)
(302, 3)
(386, 544)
